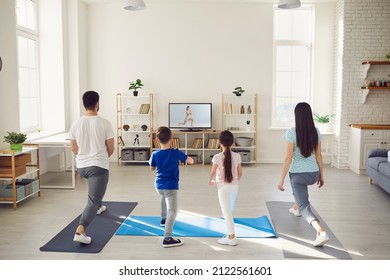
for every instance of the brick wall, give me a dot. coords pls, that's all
(362, 33)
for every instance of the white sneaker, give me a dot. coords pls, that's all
(321, 239)
(82, 238)
(296, 212)
(227, 241)
(101, 209)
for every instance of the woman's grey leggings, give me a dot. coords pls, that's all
(299, 183)
(97, 178)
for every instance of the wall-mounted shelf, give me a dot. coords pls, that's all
(367, 66)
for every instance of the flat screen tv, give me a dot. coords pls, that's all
(190, 116)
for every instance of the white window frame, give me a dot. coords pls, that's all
(32, 34)
(278, 124)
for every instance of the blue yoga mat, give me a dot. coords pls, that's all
(197, 226)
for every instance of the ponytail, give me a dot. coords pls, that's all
(226, 138)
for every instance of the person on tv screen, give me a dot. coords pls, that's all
(189, 117)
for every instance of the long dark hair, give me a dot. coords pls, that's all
(226, 138)
(307, 136)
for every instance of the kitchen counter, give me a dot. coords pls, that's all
(371, 126)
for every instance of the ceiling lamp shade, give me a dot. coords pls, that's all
(289, 4)
(134, 5)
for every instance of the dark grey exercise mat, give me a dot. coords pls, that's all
(102, 228)
(296, 234)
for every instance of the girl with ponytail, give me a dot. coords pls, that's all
(225, 173)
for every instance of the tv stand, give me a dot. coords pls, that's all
(190, 130)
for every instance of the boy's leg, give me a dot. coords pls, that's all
(171, 202)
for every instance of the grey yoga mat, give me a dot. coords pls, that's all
(296, 235)
(102, 228)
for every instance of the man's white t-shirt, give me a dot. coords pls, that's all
(91, 133)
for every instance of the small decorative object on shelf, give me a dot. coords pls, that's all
(242, 110)
(15, 140)
(144, 127)
(238, 91)
(126, 127)
(135, 86)
(136, 140)
(249, 110)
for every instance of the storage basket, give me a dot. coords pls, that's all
(244, 141)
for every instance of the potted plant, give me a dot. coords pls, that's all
(388, 56)
(16, 140)
(322, 121)
(238, 91)
(135, 85)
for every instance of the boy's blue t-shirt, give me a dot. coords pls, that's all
(167, 168)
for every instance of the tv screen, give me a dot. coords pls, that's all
(190, 116)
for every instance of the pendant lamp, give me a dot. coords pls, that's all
(289, 4)
(134, 5)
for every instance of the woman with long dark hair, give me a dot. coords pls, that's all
(303, 161)
(225, 172)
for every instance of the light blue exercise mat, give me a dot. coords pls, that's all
(197, 226)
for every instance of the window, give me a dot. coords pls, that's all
(28, 71)
(293, 34)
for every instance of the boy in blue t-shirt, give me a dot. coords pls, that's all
(166, 161)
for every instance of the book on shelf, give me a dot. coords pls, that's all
(228, 108)
(197, 144)
(175, 144)
(213, 143)
(156, 143)
(144, 109)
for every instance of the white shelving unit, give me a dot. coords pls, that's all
(134, 127)
(201, 145)
(239, 115)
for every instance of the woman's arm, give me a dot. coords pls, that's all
(286, 164)
(239, 171)
(320, 182)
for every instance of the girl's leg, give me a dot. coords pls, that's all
(224, 197)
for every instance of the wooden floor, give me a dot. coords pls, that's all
(357, 213)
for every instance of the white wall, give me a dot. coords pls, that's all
(9, 102)
(185, 52)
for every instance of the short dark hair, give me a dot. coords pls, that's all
(90, 99)
(164, 134)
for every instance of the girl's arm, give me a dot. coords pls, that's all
(239, 171)
(286, 164)
(212, 174)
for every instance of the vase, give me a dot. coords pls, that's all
(323, 127)
(16, 147)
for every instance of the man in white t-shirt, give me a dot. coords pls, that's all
(92, 141)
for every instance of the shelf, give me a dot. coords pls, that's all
(367, 89)
(14, 168)
(134, 111)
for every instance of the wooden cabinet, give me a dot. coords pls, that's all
(239, 115)
(368, 86)
(200, 145)
(363, 138)
(19, 174)
(134, 127)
